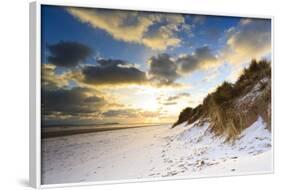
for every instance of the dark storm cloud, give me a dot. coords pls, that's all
(68, 54)
(70, 101)
(113, 72)
(163, 69)
(200, 59)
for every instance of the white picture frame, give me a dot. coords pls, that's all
(35, 88)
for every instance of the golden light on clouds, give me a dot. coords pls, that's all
(134, 25)
(251, 40)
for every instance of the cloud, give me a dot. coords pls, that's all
(133, 26)
(169, 103)
(75, 101)
(93, 99)
(163, 70)
(111, 62)
(115, 22)
(53, 81)
(108, 72)
(50, 80)
(179, 96)
(250, 39)
(161, 39)
(68, 54)
(129, 113)
(172, 100)
(121, 113)
(202, 58)
(113, 72)
(164, 36)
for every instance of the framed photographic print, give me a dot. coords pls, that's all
(128, 95)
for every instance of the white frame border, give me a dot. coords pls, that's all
(35, 95)
(35, 90)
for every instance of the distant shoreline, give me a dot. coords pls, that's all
(76, 125)
(63, 131)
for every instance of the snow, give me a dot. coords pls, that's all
(250, 97)
(155, 152)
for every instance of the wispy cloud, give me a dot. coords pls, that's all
(173, 100)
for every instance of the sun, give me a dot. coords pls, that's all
(146, 98)
(148, 103)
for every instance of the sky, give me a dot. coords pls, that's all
(104, 66)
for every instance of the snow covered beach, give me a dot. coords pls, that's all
(154, 152)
